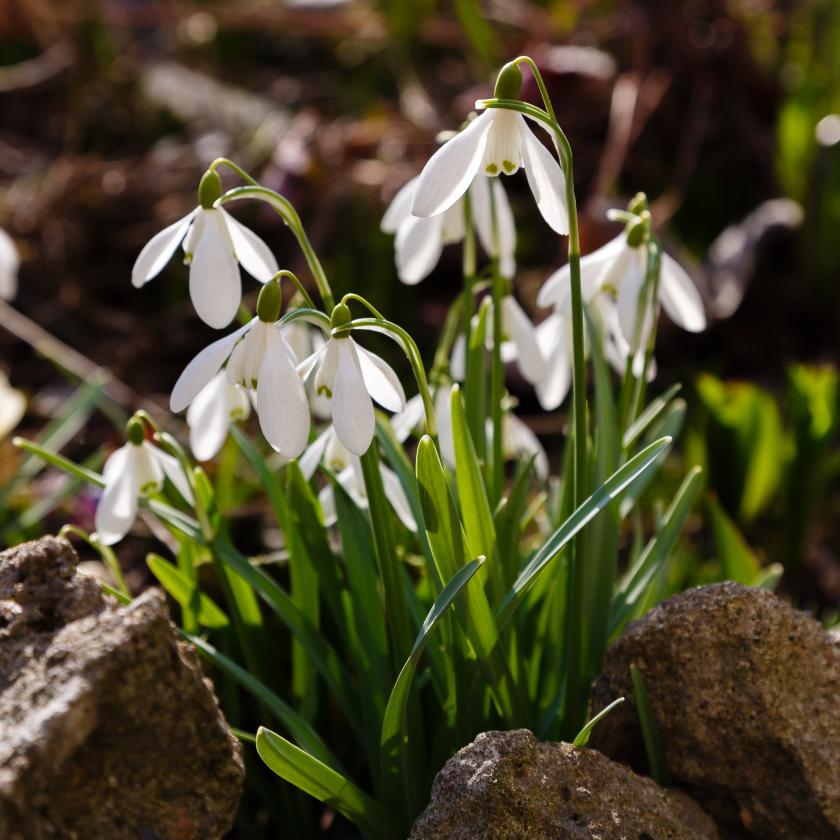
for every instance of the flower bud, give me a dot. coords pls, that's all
(638, 204)
(637, 232)
(209, 188)
(508, 82)
(270, 302)
(340, 316)
(135, 432)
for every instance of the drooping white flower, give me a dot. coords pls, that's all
(211, 412)
(619, 268)
(498, 141)
(328, 449)
(214, 242)
(134, 470)
(520, 443)
(9, 264)
(520, 344)
(12, 406)
(420, 240)
(351, 378)
(258, 359)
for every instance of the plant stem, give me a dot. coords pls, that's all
(496, 368)
(468, 266)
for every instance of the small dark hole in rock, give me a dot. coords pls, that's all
(566, 794)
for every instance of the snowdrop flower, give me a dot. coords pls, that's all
(328, 449)
(351, 378)
(9, 264)
(420, 240)
(211, 412)
(619, 267)
(520, 443)
(260, 360)
(134, 470)
(213, 243)
(412, 416)
(12, 406)
(520, 344)
(498, 141)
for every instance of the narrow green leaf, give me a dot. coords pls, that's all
(737, 559)
(602, 497)
(650, 729)
(582, 738)
(325, 784)
(184, 591)
(648, 416)
(472, 495)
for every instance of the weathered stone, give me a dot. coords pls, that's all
(107, 726)
(746, 692)
(507, 785)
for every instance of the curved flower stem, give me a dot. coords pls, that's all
(576, 677)
(413, 355)
(105, 552)
(223, 161)
(287, 212)
(314, 316)
(290, 275)
(366, 303)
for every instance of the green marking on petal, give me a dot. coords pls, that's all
(149, 487)
(509, 166)
(254, 383)
(491, 169)
(323, 389)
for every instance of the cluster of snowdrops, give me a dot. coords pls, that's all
(529, 566)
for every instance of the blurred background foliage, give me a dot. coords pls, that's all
(726, 113)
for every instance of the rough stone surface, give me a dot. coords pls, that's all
(746, 692)
(107, 727)
(507, 786)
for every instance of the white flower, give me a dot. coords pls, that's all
(9, 264)
(213, 244)
(520, 443)
(134, 470)
(520, 344)
(496, 142)
(12, 406)
(328, 449)
(351, 377)
(420, 240)
(620, 269)
(258, 359)
(211, 412)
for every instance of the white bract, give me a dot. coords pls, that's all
(619, 268)
(9, 264)
(496, 142)
(12, 406)
(351, 377)
(213, 244)
(420, 240)
(211, 413)
(134, 470)
(328, 449)
(258, 359)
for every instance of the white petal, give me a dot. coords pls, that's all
(503, 153)
(117, 508)
(523, 334)
(215, 285)
(629, 292)
(396, 497)
(443, 415)
(679, 296)
(203, 368)
(9, 265)
(251, 252)
(520, 441)
(399, 210)
(327, 500)
(352, 409)
(158, 251)
(310, 459)
(208, 418)
(483, 219)
(451, 169)
(417, 248)
(553, 335)
(327, 371)
(309, 364)
(172, 469)
(282, 406)
(380, 380)
(458, 358)
(12, 406)
(407, 420)
(546, 179)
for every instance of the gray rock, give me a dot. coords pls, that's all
(746, 692)
(507, 786)
(107, 725)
